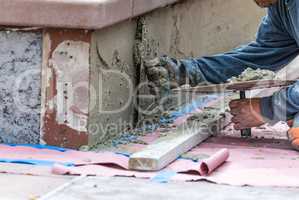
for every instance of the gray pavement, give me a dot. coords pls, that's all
(19, 187)
(137, 189)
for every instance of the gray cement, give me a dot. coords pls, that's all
(196, 28)
(193, 29)
(250, 75)
(135, 189)
(22, 187)
(20, 65)
(112, 76)
(187, 29)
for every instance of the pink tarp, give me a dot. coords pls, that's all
(251, 162)
(259, 162)
(247, 165)
(26, 154)
(205, 167)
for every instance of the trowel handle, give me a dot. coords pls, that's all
(245, 132)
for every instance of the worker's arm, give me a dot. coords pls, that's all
(273, 49)
(283, 105)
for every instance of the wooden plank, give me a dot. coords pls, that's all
(167, 149)
(242, 86)
(158, 155)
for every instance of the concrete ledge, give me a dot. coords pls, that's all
(87, 14)
(143, 6)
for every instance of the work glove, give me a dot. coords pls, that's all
(163, 74)
(246, 113)
(293, 132)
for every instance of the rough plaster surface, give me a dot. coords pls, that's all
(20, 65)
(190, 28)
(196, 28)
(112, 78)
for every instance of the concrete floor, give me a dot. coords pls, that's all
(136, 189)
(15, 187)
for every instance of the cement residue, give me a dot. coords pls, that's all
(116, 136)
(145, 126)
(209, 118)
(112, 142)
(114, 112)
(20, 65)
(147, 51)
(145, 46)
(204, 117)
(251, 75)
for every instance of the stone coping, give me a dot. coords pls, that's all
(86, 14)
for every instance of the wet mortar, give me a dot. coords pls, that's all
(250, 74)
(147, 48)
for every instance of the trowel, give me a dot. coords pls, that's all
(240, 87)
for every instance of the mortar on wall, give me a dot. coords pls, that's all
(192, 29)
(188, 29)
(112, 81)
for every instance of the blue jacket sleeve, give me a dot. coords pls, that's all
(273, 49)
(283, 105)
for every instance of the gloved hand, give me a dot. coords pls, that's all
(293, 133)
(163, 74)
(246, 113)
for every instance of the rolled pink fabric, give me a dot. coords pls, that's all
(210, 164)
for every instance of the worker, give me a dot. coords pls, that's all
(276, 45)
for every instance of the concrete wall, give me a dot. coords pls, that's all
(204, 27)
(112, 77)
(195, 28)
(192, 28)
